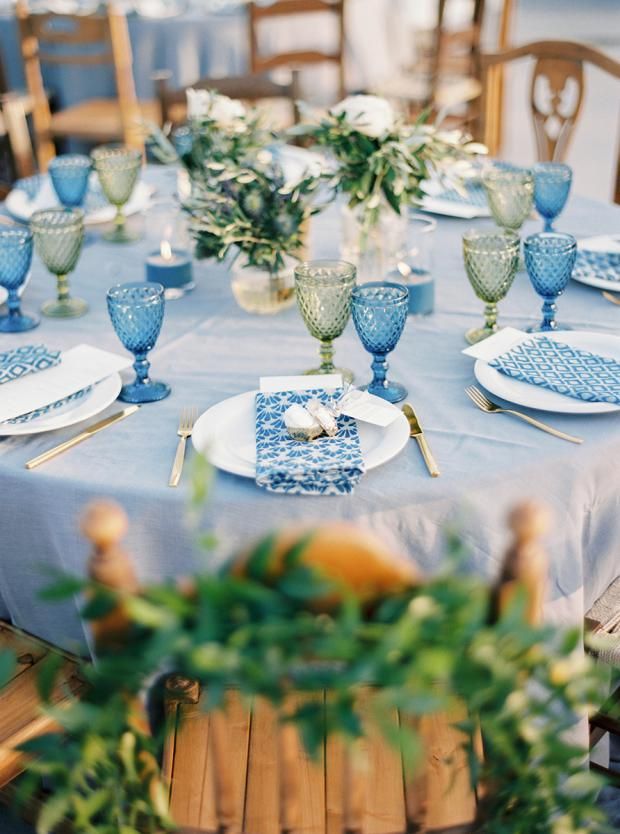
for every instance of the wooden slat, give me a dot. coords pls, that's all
(334, 785)
(190, 765)
(309, 779)
(451, 800)
(261, 804)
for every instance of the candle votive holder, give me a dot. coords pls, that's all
(414, 267)
(170, 261)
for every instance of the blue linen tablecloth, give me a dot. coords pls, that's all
(209, 349)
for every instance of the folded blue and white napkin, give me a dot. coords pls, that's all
(325, 466)
(604, 266)
(24, 360)
(561, 368)
(474, 195)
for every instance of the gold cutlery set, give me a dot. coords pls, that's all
(189, 415)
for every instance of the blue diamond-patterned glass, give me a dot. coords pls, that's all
(325, 466)
(562, 368)
(552, 181)
(27, 359)
(137, 313)
(69, 174)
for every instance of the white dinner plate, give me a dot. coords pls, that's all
(534, 396)
(597, 276)
(97, 208)
(100, 397)
(225, 434)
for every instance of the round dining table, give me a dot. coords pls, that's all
(209, 349)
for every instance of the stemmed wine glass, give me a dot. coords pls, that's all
(118, 168)
(552, 182)
(491, 262)
(58, 238)
(15, 260)
(69, 174)
(323, 289)
(379, 313)
(510, 195)
(137, 313)
(549, 259)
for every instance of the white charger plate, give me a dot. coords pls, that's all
(101, 396)
(225, 434)
(21, 208)
(600, 243)
(534, 396)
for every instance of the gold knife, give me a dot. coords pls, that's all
(69, 444)
(415, 431)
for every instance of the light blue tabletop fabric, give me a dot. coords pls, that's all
(209, 349)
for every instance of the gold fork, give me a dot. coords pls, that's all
(484, 404)
(186, 426)
(613, 298)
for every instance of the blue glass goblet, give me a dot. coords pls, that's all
(69, 174)
(379, 312)
(137, 313)
(15, 260)
(552, 181)
(549, 259)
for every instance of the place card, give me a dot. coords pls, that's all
(493, 346)
(600, 243)
(80, 367)
(304, 382)
(368, 408)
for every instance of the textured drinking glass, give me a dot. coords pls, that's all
(323, 290)
(69, 174)
(491, 262)
(58, 238)
(379, 314)
(15, 260)
(552, 181)
(137, 313)
(510, 195)
(118, 169)
(549, 259)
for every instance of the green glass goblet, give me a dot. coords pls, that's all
(58, 237)
(323, 289)
(118, 169)
(510, 195)
(491, 261)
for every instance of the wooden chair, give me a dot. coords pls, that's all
(89, 40)
(446, 72)
(258, 15)
(254, 89)
(559, 66)
(600, 618)
(17, 151)
(242, 770)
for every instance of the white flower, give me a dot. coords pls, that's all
(227, 113)
(370, 115)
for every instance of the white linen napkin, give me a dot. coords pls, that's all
(80, 367)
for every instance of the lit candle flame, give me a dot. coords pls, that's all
(166, 250)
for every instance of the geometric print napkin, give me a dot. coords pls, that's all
(28, 359)
(475, 195)
(325, 466)
(594, 264)
(563, 369)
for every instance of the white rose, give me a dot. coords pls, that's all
(370, 115)
(225, 112)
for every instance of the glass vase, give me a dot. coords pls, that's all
(375, 250)
(260, 291)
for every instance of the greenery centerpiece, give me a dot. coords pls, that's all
(380, 162)
(246, 206)
(295, 613)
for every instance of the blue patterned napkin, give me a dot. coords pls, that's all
(475, 195)
(563, 369)
(595, 264)
(27, 359)
(325, 466)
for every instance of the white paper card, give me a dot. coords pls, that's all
(79, 367)
(304, 382)
(499, 343)
(368, 408)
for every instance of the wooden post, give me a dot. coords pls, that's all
(104, 523)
